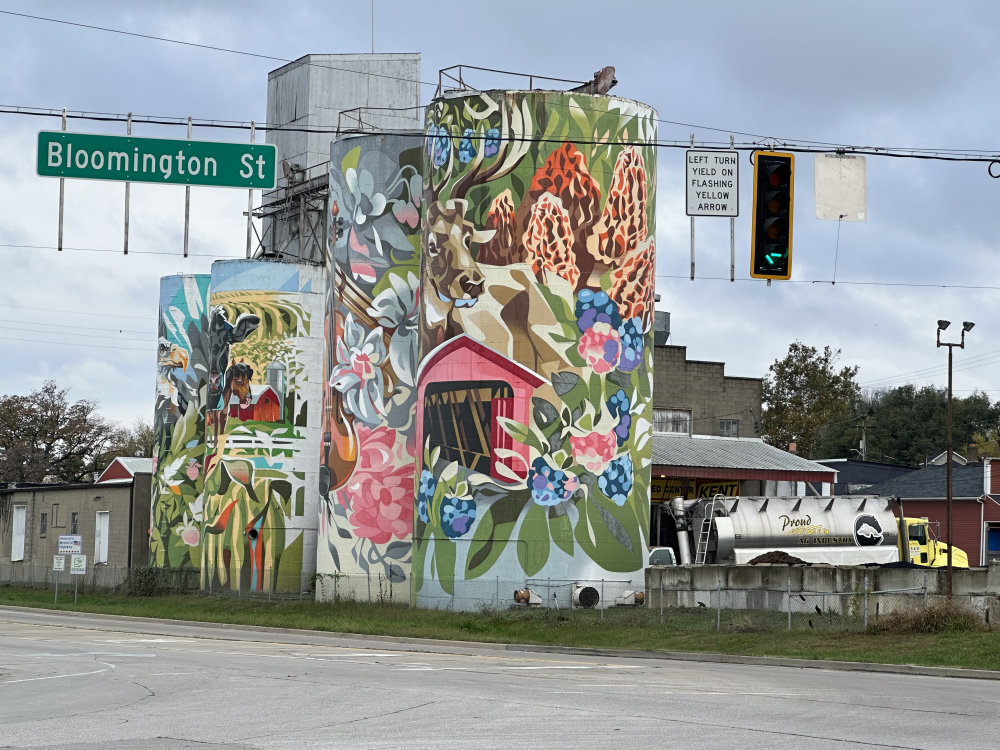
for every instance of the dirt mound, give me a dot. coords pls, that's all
(776, 558)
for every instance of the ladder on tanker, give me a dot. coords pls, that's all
(705, 533)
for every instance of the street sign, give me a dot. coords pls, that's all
(78, 565)
(70, 543)
(58, 562)
(90, 156)
(712, 179)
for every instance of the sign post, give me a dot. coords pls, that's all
(58, 565)
(712, 185)
(77, 567)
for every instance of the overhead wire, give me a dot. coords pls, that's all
(795, 145)
(789, 144)
(213, 48)
(78, 312)
(80, 343)
(945, 155)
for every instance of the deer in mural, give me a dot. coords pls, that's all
(452, 279)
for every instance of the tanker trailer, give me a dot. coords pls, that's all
(854, 530)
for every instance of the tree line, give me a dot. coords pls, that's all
(814, 402)
(46, 437)
(809, 399)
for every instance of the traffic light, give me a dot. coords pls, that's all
(771, 239)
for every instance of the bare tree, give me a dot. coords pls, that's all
(135, 440)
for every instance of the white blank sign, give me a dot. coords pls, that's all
(841, 194)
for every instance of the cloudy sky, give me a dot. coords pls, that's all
(901, 77)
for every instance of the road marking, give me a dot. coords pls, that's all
(148, 640)
(57, 676)
(577, 666)
(433, 669)
(71, 654)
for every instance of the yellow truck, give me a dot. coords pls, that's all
(922, 547)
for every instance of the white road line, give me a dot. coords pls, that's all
(148, 640)
(56, 676)
(72, 654)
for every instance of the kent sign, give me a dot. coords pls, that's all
(88, 156)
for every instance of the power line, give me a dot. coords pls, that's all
(88, 329)
(118, 251)
(985, 287)
(788, 144)
(79, 312)
(981, 359)
(946, 155)
(726, 279)
(209, 47)
(88, 345)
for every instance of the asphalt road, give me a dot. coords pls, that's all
(72, 681)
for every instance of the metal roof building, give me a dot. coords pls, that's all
(708, 457)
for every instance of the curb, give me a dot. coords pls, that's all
(769, 661)
(428, 644)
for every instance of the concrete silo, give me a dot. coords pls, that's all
(261, 456)
(534, 404)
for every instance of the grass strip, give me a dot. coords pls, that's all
(955, 643)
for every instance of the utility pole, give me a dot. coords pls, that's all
(966, 327)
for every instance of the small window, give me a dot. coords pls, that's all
(102, 529)
(55, 515)
(672, 420)
(74, 521)
(918, 533)
(44, 523)
(18, 533)
(729, 428)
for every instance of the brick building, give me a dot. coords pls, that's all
(693, 397)
(975, 504)
(112, 519)
(706, 438)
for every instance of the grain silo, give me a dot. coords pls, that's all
(534, 402)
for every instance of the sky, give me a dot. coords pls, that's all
(899, 77)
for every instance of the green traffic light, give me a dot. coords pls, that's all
(771, 232)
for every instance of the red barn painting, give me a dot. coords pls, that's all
(264, 406)
(463, 386)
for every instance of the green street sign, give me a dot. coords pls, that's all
(87, 156)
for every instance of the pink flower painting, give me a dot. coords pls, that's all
(593, 451)
(379, 494)
(600, 346)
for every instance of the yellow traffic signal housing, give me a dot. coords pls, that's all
(771, 236)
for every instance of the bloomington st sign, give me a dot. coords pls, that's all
(158, 160)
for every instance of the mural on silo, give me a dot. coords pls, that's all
(534, 399)
(368, 454)
(262, 425)
(179, 422)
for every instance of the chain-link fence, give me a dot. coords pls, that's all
(787, 608)
(95, 577)
(774, 603)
